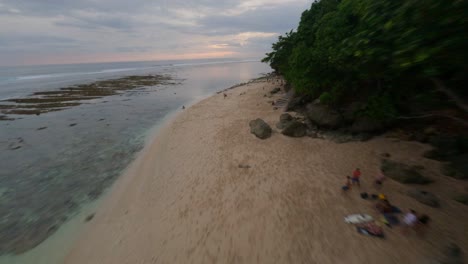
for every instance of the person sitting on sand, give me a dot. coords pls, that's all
(384, 206)
(356, 176)
(379, 179)
(409, 220)
(370, 229)
(347, 186)
(422, 224)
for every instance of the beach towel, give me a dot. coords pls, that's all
(370, 229)
(391, 219)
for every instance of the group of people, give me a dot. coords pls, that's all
(352, 180)
(410, 220)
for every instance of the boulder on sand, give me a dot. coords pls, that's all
(403, 173)
(324, 116)
(297, 102)
(285, 119)
(424, 197)
(295, 129)
(259, 128)
(457, 167)
(276, 90)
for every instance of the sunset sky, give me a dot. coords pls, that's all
(75, 31)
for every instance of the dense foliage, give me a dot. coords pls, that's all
(387, 54)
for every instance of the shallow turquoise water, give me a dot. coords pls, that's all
(49, 169)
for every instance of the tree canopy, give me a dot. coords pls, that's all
(386, 53)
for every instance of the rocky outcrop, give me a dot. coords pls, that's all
(297, 102)
(349, 113)
(460, 166)
(285, 119)
(366, 124)
(260, 129)
(453, 150)
(403, 173)
(275, 90)
(445, 147)
(324, 116)
(295, 129)
(424, 197)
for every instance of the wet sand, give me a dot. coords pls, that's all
(205, 190)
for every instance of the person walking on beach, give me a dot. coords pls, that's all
(356, 176)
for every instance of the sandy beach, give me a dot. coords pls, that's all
(205, 190)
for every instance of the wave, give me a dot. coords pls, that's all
(211, 63)
(119, 70)
(59, 75)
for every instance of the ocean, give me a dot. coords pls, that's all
(55, 163)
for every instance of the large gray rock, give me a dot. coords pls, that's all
(295, 129)
(349, 113)
(285, 119)
(324, 116)
(275, 90)
(458, 167)
(424, 197)
(403, 173)
(259, 128)
(445, 147)
(298, 101)
(366, 124)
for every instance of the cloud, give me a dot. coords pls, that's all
(160, 28)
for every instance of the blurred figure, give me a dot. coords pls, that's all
(347, 185)
(409, 220)
(356, 176)
(379, 179)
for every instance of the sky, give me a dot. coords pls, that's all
(81, 31)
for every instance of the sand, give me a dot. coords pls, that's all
(187, 200)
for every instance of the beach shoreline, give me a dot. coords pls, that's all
(205, 190)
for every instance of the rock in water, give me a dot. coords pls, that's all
(259, 128)
(324, 116)
(403, 173)
(295, 129)
(424, 197)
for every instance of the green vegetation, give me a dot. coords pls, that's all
(462, 199)
(392, 55)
